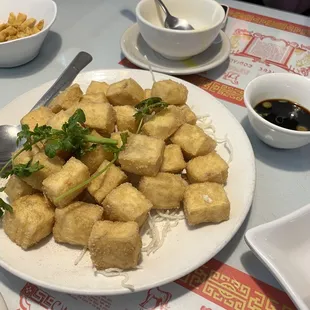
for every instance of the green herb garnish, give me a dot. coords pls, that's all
(146, 108)
(23, 170)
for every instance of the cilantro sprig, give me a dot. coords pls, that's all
(146, 108)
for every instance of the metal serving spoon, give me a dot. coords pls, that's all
(8, 133)
(173, 22)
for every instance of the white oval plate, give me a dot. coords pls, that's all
(135, 48)
(52, 265)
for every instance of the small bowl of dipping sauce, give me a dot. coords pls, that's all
(278, 106)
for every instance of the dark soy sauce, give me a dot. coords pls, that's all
(284, 113)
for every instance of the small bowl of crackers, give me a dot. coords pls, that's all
(23, 28)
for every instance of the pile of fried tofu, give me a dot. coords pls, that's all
(170, 164)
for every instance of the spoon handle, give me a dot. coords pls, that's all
(80, 61)
(164, 8)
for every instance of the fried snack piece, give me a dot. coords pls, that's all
(97, 87)
(147, 93)
(38, 117)
(125, 203)
(73, 224)
(206, 203)
(72, 173)
(188, 115)
(31, 221)
(193, 141)
(170, 92)
(66, 99)
(125, 119)
(99, 116)
(25, 156)
(164, 124)
(115, 245)
(21, 17)
(51, 166)
(28, 23)
(211, 168)
(117, 136)
(143, 155)
(95, 158)
(94, 98)
(125, 92)
(165, 190)
(173, 159)
(16, 188)
(58, 119)
(100, 187)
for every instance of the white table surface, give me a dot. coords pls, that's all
(96, 26)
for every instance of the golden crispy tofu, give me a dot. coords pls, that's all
(147, 93)
(170, 91)
(66, 99)
(206, 203)
(95, 158)
(28, 23)
(115, 245)
(117, 136)
(188, 115)
(58, 119)
(165, 190)
(40, 24)
(16, 188)
(193, 141)
(72, 173)
(125, 203)
(164, 124)
(97, 87)
(31, 221)
(73, 224)
(173, 159)
(51, 166)
(99, 116)
(25, 156)
(38, 117)
(12, 18)
(208, 168)
(95, 98)
(143, 155)
(21, 17)
(125, 119)
(125, 92)
(100, 187)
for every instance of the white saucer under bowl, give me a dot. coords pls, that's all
(135, 48)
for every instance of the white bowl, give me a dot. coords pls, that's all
(284, 247)
(277, 86)
(20, 51)
(206, 16)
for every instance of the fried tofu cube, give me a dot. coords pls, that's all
(100, 187)
(125, 119)
(165, 191)
(147, 93)
(117, 136)
(73, 224)
(58, 119)
(95, 158)
(99, 116)
(188, 115)
(38, 117)
(173, 159)
(143, 155)
(97, 87)
(164, 124)
(95, 98)
(170, 92)
(51, 166)
(16, 188)
(206, 203)
(125, 92)
(72, 173)
(193, 141)
(208, 168)
(115, 245)
(125, 203)
(66, 99)
(31, 221)
(25, 156)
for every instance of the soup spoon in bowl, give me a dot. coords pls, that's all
(173, 22)
(8, 133)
